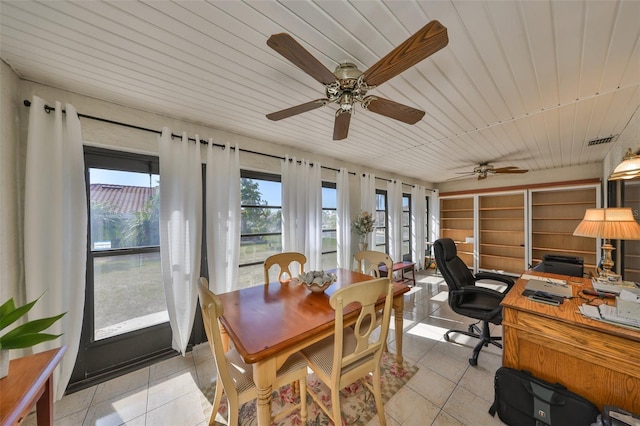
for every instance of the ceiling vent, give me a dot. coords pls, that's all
(601, 141)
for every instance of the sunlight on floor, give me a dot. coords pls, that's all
(441, 297)
(428, 331)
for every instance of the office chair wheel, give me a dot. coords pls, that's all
(473, 362)
(446, 337)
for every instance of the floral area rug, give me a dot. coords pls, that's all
(356, 401)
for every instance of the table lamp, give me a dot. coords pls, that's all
(608, 223)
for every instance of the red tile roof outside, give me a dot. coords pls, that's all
(122, 198)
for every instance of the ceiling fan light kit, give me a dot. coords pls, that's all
(629, 168)
(348, 86)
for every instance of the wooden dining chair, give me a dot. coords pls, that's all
(369, 261)
(353, 352)
(284, 261)
(234, 376)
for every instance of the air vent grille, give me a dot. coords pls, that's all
(600, 141)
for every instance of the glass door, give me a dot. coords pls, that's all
(126, 320)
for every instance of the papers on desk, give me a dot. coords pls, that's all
(612, 286)
(628, 304)
(625, 317)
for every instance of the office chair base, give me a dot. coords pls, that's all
(484, 337)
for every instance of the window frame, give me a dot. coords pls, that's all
(385, 227)
(406, 196)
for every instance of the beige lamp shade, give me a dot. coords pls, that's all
(609, 223)
(628, 169)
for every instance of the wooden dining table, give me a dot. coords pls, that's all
(270, 322)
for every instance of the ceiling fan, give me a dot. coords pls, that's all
(348, 85)
(483, 170)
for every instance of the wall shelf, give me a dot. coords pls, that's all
(457, 217)
(502, 232)
(555, 213)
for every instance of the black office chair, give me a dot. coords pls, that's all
(465, 298)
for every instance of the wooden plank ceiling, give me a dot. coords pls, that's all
(522, 83)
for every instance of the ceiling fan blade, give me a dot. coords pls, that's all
(465, 176)
(298, 109)
(285, 45)
(341, 126)
(394, 110)
(511, 169)
(427, 41)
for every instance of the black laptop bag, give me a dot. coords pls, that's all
(523, 400)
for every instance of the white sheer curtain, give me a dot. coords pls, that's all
(343, 212)
(180, 231)
(394, 203)
(418, 211)
(368, 202)
(223, 217)
(55, 228)
(302, 210)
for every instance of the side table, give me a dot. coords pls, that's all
(403, 267)
(29, 382)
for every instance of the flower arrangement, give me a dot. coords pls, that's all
(363, 224)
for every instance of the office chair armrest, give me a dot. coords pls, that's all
(505, 279)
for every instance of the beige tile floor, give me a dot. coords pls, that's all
(446, 390)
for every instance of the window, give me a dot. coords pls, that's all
(380, 230)
(406, 227)
(124, 255)
(329, 225)
(261, 224)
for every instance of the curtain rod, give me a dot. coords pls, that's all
(48, 109)
(406, 184)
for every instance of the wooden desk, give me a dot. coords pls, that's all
(268, 323)
(401, 266)
(29, 382)
(594, 359)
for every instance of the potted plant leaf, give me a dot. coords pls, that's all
(22, 336)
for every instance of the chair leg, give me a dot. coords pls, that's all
(303, 400)
(216, 400)
(233, 416)
(485, 339)
(335, 407)
(377, 394)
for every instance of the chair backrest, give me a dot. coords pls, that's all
(368, 262)
(455, 272)
(212, 310)
(284, 261)
(354, 361)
